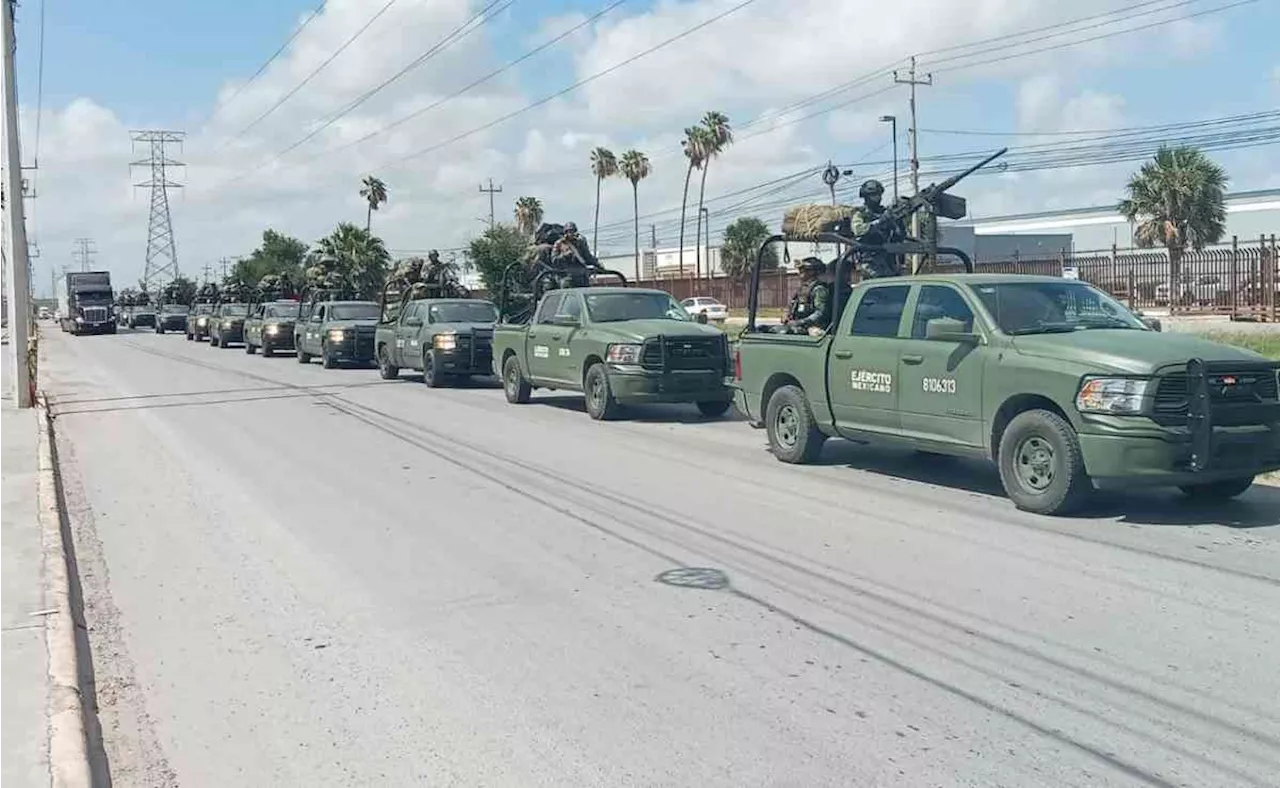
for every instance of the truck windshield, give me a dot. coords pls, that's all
(353, 312)
(94, 296)
(470, 312)
(174, 309)
(614, 307)
(281, 311)
(1053, 307)
(235, 310)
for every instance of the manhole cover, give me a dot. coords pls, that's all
(695, 577)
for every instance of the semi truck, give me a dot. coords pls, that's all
(85, 303)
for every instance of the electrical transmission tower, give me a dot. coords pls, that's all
(84, 252)
(162, 253)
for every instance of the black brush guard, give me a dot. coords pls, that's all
(1200, 415)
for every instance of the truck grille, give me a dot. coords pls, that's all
(1242, 395)
(479, 345)
(681, 353)
(363, 346)
(95, 314)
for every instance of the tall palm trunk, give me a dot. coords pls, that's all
(368, 218)
(635, 204)
(595, 231)
(697, 244)
(684, 203)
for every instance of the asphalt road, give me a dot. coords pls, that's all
(296, 576)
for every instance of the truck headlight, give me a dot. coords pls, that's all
(272, 330)
(624, 354)
(226, 324)
(337, 335)
(445, 341)
(202, 321)
(1112, 395)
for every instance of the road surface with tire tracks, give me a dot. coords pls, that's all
(295, 576)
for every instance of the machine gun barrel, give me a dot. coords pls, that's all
(930, 193)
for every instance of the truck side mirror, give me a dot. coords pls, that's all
(945, 329)
(413, 321)
(702, 318)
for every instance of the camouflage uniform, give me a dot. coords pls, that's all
(872, 264)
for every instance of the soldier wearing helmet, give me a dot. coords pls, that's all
(810, 307)
(873, 264)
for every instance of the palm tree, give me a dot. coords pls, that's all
(603, 165)
(1177, 200)
(695, 146)
(359, 257)
(635, 167)
(718, 136)
(528, 214)
(374, 191)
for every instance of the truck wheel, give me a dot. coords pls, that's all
(327, 359)
(601, 405)
(1221, 490)
(303, 356)
(386, 370)
(267, 352)
(248, 347)
(794, 436)
(430, 373)
(1041, 466)
(714, 408)
(514, 384)
(213, 341)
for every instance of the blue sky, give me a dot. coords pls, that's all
(112, 54)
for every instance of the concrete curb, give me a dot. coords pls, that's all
(69, 765)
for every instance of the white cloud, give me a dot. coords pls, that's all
(751, 64)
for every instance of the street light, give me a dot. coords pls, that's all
(893, 120)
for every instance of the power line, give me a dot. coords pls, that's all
(261, 69)
(1078, 132)
(314, 72)
(467, 88)
(575, 86)
(460, 32)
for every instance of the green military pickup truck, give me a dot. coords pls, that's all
(1052, 379)
(444, 338)
(198, 321)
(618, 345)
(337, 332)
(270, 326)
(226, 324)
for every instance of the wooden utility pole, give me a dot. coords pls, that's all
(913, 134)
(491, 190)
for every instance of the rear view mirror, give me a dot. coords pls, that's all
(945, 329)
(413, 321)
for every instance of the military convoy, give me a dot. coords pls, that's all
(1057, 384)
(1054, 381)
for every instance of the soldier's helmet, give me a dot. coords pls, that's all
(871, 188)
(570, 228)
(812, 266)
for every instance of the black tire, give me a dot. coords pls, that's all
(601, 405)
(714, 408)
(1041, 466)
(327, 359)
(303, 356)
(159, 328)
(213, 341)
(514, 384)
(248, 347)
(386, 370)
(793, 432)
(431, 375)
(1221, 490)
(267, 352)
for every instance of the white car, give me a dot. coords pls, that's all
(713, 309)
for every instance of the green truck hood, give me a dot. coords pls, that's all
(1130, 351)
(640, 330)
(334, 325)
(458, 328)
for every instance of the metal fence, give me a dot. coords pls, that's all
(1239, 278)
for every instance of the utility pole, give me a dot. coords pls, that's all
(913, 134)
(224, 268)
(84, 252)
(490, 191)
(15, 251)
(208, 269)
(162, 254)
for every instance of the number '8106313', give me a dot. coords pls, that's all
(940, 385)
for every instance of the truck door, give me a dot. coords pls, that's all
(538, 353)
(941, 392)
(408, 336)
(568, 318)
(863, 369)
(311, 339)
